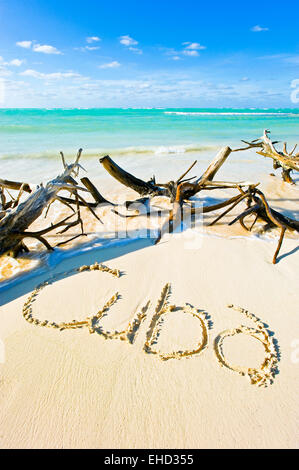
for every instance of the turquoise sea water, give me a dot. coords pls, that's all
(42, 133)
(39, 131)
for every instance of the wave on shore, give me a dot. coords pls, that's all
(210, 113)
(122, 151)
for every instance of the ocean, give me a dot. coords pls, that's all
(31, 138)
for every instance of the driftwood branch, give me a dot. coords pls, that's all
(16, 217)
(287, 161)
(170, 189)
(15, 185)
(99, 199)
(127, 179)
(187, 189)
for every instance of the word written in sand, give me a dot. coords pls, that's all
(261, 376)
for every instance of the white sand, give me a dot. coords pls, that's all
(71, 389)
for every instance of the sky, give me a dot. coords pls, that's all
(149, 53)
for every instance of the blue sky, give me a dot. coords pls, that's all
(148, 53)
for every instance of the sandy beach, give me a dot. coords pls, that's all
(149, 229)
(73, 389)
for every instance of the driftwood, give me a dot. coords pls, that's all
(273, 218)
(143, 188)
(170, 189)
(181, 191)
(261, 210)
(287, 161)
(16, 217)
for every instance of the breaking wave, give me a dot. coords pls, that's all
(231, 113)
(123, 151)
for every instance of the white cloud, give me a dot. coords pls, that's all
(2, 91)
(92, 48)
(193, 45)
(16, 62)
(49, 76)
(128, 41)
(191, 53)
(93, 39)
(258, 29)
(136, 50)
(169, 90)
(191, 49)
(32, 73)
(4, 72)
(46, 49)
(24, 44)
(110, 65)
(87, 48)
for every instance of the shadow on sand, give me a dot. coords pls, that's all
(66, 267)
